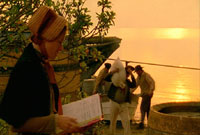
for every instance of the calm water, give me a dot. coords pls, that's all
(172, 84)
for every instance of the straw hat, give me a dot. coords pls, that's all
(46, 24)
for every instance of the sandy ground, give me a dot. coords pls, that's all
(120, 130)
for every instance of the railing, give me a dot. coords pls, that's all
(156, 64)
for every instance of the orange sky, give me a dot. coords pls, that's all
(159, 23)
(154, 13)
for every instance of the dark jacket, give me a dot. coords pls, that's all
(28, 90)
(113, 89)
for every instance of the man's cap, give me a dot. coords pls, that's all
(138, 67)
(46, 24)
(107, 65)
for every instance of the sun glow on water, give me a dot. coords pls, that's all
(181, 92)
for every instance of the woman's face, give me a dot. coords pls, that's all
(54, 47)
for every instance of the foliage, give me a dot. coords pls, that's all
(15, 14)
(96, 129)
(3, 127)
(66, 99)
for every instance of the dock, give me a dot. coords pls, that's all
(119, 130)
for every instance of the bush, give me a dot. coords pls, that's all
(4, 127)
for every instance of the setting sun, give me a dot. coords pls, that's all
(171, 33)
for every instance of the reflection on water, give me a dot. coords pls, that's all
(181, 92)
(176, 85)
(180, 87)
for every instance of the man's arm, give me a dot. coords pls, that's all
(98, 81)
(151, 83)
(133, 81)
(132, 84)
(109, 76)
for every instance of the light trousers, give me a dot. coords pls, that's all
(123, 112)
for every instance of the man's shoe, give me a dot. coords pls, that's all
(140, 126)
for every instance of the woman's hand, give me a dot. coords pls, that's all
(67, 124)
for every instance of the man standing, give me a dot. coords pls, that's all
(99, 85)
(147, 86)
(119, 99)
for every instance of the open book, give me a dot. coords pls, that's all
(87, 111)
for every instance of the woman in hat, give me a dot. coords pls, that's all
(31, 99)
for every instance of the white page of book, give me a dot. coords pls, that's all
(85, 110)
